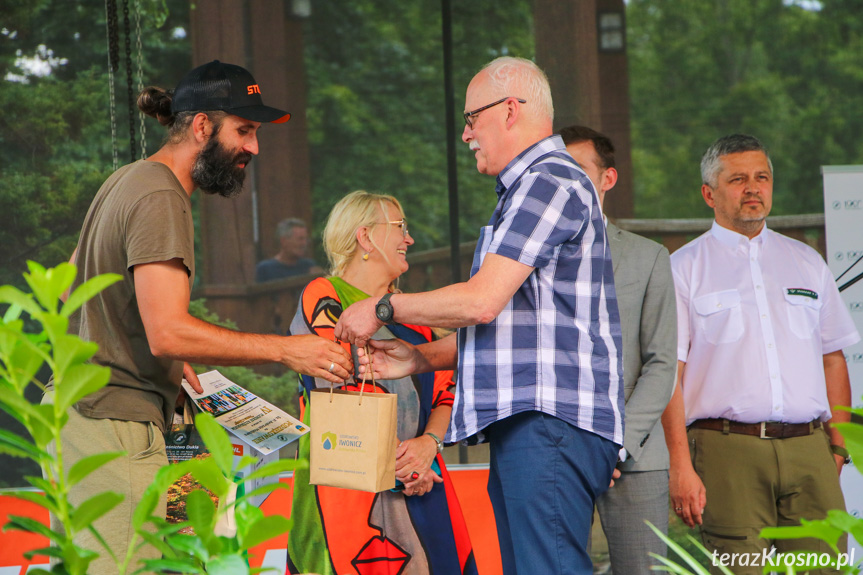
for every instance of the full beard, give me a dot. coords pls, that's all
(216, 169)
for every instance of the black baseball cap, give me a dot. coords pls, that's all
(226, 87)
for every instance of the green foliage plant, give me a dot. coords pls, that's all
(223, 535)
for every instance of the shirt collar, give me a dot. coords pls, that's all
(519, 165)
(732, 239)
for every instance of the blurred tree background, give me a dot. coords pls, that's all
(788, 72)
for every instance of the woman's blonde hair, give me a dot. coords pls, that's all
(355, 210)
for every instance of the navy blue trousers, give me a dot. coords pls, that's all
(544, 478)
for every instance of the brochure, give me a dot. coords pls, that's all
(256, 422)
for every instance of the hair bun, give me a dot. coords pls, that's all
(156, 103)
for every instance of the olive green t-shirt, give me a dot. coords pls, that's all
(140, 215)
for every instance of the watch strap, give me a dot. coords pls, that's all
(841, 452)
(436, 440)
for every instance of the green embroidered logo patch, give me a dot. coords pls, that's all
(803, 292)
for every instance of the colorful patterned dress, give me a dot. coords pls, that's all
(341, 531)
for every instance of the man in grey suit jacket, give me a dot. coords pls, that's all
(648, 314)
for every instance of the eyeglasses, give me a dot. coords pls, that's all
(468, 116)
(403, 224)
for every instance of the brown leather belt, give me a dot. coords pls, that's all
(764, 430)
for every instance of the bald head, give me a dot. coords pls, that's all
(508, 108)
(522, 78)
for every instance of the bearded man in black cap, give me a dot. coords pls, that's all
(140, 227)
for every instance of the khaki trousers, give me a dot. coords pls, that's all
(753, 483)
(128, 475)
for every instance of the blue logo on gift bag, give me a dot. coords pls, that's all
(329, 440)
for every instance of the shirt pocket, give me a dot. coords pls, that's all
(804, 314)
(719, 316)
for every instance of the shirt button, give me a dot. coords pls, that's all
(770, 345)
(763, 316)
(758, 287)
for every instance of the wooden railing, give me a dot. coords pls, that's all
(270, 307)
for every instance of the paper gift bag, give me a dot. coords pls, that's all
(353, 439)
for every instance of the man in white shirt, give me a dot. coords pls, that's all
(761, 327)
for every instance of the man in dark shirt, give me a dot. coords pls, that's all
(291, 259)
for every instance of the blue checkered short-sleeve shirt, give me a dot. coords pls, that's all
(556, 346)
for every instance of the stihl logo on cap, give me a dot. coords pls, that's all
(254, 89)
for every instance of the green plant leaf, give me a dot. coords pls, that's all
(262, 490)
(245, 461)
(79, 381)
(41, 483)
(165, 477)
(159, 543)
(208, 474)
(190, 545)
(853, 435)
(24, 362)
(669, 566)
(682, 553)
(246, 514)
(169, 565)
(44, 415)
(98, 537)
(264, 530)
(93, 508)
(31, 525)
(14, 296)
(216, 439)
(819, 529)
(55, 326)
(87, 291)
(86, 466)
(34, 497)
(70, 350)
(13, 312)
(228, 565)
(277, 468)
(201, 513)
(16, 445)
(48, 285)
(846, 522)
(44, 552)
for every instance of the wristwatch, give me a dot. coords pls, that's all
(384, 309)
(436, 440)
(841, 452)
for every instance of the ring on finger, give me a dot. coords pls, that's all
(332, 366)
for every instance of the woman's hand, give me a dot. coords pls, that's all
(415, 456)
(422, 485)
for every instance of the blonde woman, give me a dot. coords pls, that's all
(415, 530)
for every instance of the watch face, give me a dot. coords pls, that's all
(384, 312)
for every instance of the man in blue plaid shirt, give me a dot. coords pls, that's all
(538, 347)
